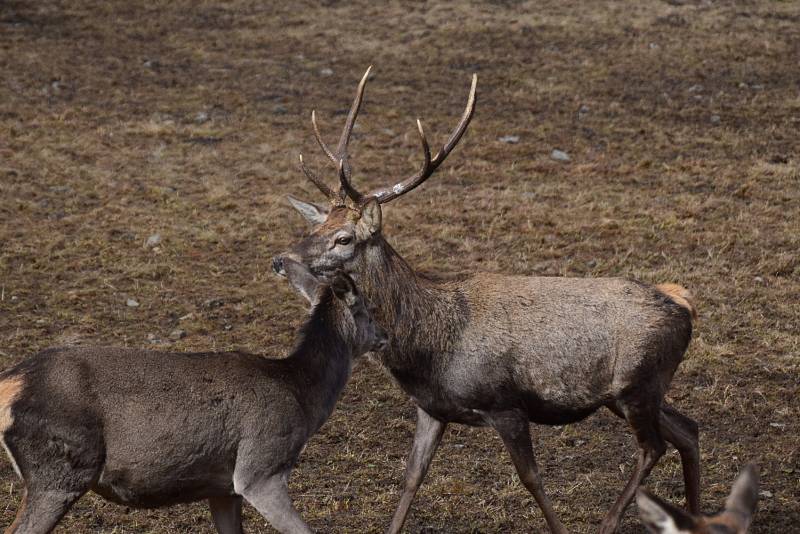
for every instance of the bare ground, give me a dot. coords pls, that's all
(120, 120)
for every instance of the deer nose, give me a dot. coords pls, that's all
(277, 266)
(381, 343)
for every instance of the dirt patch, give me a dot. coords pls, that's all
(119, 121)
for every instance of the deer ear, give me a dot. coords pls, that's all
(313, 213)
(744, 494)
(661, 517)
(370, 222)
(344, 288)
(301, 279)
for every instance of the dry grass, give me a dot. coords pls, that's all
(684, 168)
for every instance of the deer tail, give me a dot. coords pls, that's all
(681, 296)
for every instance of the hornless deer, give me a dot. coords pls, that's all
(146, 429)
(500, 350)
(660, 517)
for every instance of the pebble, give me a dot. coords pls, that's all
(715, 119)
(559, 155)
(177, 334)
(510, 139)
(765, 493)
(132, 303)
(326, 72)
(153, 241)
(279, 109)
(201, 117)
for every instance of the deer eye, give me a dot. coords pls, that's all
(343, 240)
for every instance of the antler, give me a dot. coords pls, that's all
(340, 158)
(429, 164)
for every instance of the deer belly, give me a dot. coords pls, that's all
(149, 485)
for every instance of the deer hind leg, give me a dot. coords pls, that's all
(226, 513)
(683, 433)
(427, 437)
(642, 415)
(514, 430)
(41, 509)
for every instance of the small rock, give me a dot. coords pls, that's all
(228, 327)
(654, 46)
(696, 88)
(777, 425)
(177, 334)
(201, 117)
(187, 316)
(510, 139)
(14, 298)
(715, 119)
(213, 303)
(591, 264)
(152, 338)
(40, 321)
(583, 111)
(132, 303)
(559, 155)
(61, 189)
(759, 279)
(326, 72)
(153, 241)
(279, 109)
(765, 493)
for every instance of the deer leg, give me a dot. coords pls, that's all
(514, 429)
(683, 433)
(41, 510)
(271, 498)
(226, 513)
(643, 419)
(427, 437)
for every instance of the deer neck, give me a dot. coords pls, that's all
(423, 317)
(321, 362)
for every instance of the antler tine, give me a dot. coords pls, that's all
(429, 165)
(341, 148)
(348, 189)
(333, 196)
(318, 137)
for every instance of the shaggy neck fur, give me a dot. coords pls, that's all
(424, 317)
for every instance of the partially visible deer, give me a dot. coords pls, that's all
(660, 517)
(146, 429)
(499, 350)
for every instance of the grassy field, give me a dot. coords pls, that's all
(121, 120)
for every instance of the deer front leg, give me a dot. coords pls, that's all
(514, 430)
(226, 513)
(271, 498)
(427, 437)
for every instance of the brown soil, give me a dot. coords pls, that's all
(119, 120)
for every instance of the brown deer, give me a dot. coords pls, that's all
(660, 517)
(146, 429)
(500, 350)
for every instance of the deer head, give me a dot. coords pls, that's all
(661, 517)
(353, 218)
(365, 333)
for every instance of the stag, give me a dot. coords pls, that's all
(147, 429)
(501, 350)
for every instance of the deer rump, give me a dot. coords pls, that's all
(554, 348)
